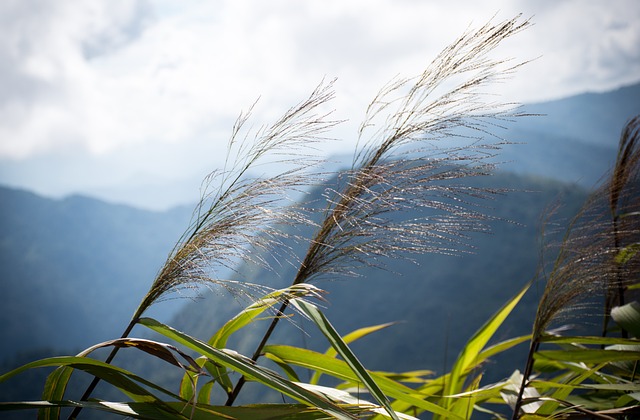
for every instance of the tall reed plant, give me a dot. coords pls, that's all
(596, 267)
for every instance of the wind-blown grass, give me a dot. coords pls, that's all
(236, 212)
(597, 259)
(400, 164)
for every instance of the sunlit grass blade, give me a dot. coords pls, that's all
(247, 368)
(348, 339)
(249, 314)
(469, 355)
(588, 355)
(246, 317)
(340, 369)
(180, 410)
(204, 395)
(346, 353)
(609, 341)
(463, 405)
(54, 389)
(135, 410)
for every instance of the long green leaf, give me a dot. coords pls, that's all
(463, 405)
(248, 316)
(469, 354)
(247, 368)
(121, 378)
(340, 369)
(143, 410)
(136, 410)
(348, 339)
(345, 352)
(54, 389)
(588, 355)
(589, 340)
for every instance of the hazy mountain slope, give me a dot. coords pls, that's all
(573, 139)
(72, 271)
(588, 117)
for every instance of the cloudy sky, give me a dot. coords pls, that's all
(114, 97)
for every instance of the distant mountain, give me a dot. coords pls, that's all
(573, 139)
(72, 271)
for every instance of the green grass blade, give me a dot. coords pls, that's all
(121, 378)
(248, 316)
(345, 352)
(463, 405)
(573, 340)
(588, 355)
(340, 369)
(469, 355)
(178, 410)
(348, 339)
(204, 395)
(247, 368)
(139, 410)
(54, 389)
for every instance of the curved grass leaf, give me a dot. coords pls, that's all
(247, 368)
(204, 395)
(178, 410)
(342, 396)
(588, 355)
(125, 381)
(248, 316)
(345, 352)
(155, 348)
(140, 410)
(610, 341)
(120, 378)
(348, 339)
(54, 389)
(469, 355)
(340, 369)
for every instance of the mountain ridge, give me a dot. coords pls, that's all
(591, 120)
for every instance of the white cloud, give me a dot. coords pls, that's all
(113, 77)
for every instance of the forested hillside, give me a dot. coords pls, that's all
(70, 265)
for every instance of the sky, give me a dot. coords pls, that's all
(133, 101)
